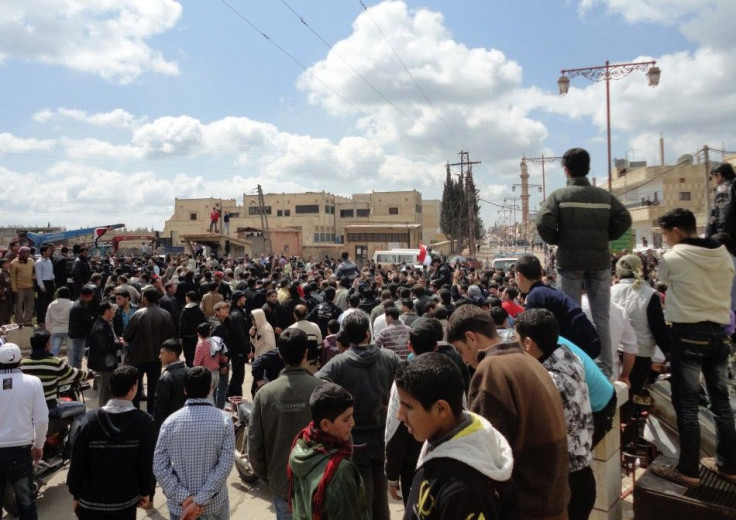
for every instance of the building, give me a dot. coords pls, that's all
(326, 222)
(650, 191)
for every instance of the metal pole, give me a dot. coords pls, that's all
(544, 185)
(706, 192)
(608, 122)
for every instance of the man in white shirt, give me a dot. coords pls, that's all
(45, 281)
(22, 430)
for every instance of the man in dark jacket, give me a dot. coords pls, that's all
(581, 220)
(366, 371)
(280, 411)
(276, 314)
(325, 311)
(111, 470)
(347, 268)
(239, 343)
(81, 318)
(81, 272)
(171, 304)
(148, 329)
(220, 327)
(103, 350)
(191, 317)
(170, 395)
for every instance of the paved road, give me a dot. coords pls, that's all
(246, 501)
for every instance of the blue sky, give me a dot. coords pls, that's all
(112, 109)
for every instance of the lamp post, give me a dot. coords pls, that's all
(606, 73)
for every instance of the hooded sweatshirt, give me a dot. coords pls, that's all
(698, 274)
(265, 339)
(456, 474)
(112, 460)
(345, 496)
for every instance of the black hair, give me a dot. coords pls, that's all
(203, 329)
(39, 340)
(293, 343)
(330, 294)
(104, 307)
(122, 380)
(441, 313)
(392, 312)
(498, 314)
(152, 296)
(470, 318)
(725, 170)
(342, 339)
(512, 292)
(193, 296)
(530, 267)
(44, 248)
(172, 345)
(577, 162)
(64, 292)
(680, 218)
(408, 303)
(541, 326)
(354, 299)
(425, 336)
(355, 325)
(418, 290)
(333, 326)
(432, 377)
(328, 401)
(197, 382)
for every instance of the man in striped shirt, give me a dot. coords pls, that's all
(53, 373)
(396, 335)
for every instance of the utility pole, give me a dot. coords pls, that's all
(466, 168)
(264, 220)
(706, 191)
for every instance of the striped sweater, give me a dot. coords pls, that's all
(53, 372)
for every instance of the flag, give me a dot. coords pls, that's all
(99, 232)
(423, 257)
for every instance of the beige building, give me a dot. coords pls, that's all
(324, 219)
(650, 191)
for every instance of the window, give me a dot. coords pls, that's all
(283, 212)
(256, 210)
(306, 208)
(682, 179)
(330, 210)
(192, 216)
(363, 213)
(684, 195)
(393, 211)
(234, 215)
(346, 213)
(378, 237)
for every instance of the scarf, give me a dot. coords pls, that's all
(323, 443)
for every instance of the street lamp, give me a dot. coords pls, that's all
(606, 73)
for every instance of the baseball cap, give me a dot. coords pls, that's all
(9, 354)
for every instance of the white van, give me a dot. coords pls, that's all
(397, 257)
(504, 263)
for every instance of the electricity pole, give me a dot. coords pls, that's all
(264, 220)
(466, 169)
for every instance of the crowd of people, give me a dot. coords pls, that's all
(467, 393)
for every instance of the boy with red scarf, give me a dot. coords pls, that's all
(323, 483)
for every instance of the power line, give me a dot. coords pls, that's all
(462, 146)
(361, 76)
(303, 67)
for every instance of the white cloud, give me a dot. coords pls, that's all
(660, 11)
(10, 143)
(117, 118)
(107, 37)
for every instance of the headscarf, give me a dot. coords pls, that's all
(630, 266)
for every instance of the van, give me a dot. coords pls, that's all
(397, 257)
(504, 263)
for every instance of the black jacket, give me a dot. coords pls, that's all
(81, 318)
(322, 314)
(266, 367)
(112, 460)
(191, 317)
(171, 304)
(102, 346)
(170, 395)
(237, 327)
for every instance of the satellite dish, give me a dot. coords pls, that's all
(685, 159)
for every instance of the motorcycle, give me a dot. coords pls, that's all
(241, 410)
(56, 448)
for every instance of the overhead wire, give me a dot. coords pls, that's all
(365, 8)
(361, 76)
(312, 74)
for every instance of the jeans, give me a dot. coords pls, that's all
(598, 286)
(16, 470)
(66, 409)
(695, 348)
(222, 514)
(221, 391)
(57, 338)
(282, 509)
(75, 352)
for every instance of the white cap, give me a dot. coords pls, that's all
(9, 354)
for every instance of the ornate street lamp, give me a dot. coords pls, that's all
(606, 73)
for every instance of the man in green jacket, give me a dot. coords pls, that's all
(581, 219)
(280, 412)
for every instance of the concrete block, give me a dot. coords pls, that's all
(607, 483)
(21, 337)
